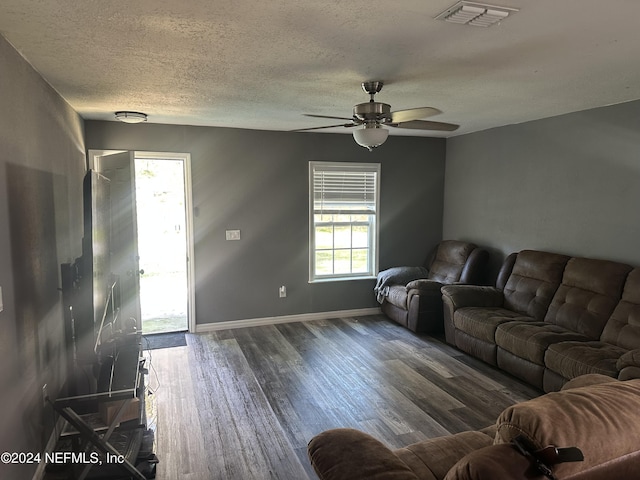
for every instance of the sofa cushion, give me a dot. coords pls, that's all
(589, 292)
(623, 328)
(587, 380)
(481, 322)
(529, 340)
(449, 261)
(601, 420)
(533, 281)
(436, 456)
(573, 359)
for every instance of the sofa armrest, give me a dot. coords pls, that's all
(431, 459)
(472, 296)
(629, 373)
(424, 287)
(629, 365)
(424, 284)
(496, 462)
(348, 454)
(458, 296)
(629, 359)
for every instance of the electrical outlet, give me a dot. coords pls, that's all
(282, 291)
(45, 395)
(232, 234)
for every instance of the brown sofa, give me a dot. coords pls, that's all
(550, 318)
(595, 413)
(411, 295)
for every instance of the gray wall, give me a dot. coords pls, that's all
(41, 167)
(257, 181)
(568, 184)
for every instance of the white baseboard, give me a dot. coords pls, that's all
(303, 317)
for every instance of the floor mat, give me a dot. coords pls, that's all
(164, 340)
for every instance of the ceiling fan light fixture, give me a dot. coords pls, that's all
(372, 116)
(370, 136)
(131, 117)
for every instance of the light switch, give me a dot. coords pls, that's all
(232, 234)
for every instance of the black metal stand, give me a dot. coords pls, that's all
(119, 382)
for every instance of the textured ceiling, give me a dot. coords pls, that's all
(261, 64)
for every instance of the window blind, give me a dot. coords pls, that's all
(337, 190)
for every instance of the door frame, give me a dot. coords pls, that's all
(188, 206)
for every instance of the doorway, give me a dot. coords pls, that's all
(157, 193)
(163, 242)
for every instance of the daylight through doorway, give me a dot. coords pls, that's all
(162, 244)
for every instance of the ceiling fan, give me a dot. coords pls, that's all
(373, 116)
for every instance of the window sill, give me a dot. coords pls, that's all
(341, 279)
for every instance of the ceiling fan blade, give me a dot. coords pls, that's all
(326, 126)
(413, 114)
(426, 125)
(326, 116)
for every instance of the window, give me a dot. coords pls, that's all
(343, 211)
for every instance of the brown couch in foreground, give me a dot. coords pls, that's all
(551, 318)
(595, 413)
(411, 295)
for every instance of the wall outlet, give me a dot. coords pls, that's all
(232, 234)
(45, 395)
(282, 291)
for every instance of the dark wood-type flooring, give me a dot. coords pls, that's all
(243, 403)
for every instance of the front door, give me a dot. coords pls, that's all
(163, 240)
(119, 168)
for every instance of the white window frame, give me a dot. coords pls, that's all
(370, 206)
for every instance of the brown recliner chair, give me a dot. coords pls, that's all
(411, 295)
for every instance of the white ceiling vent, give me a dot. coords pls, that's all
(476, 14)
